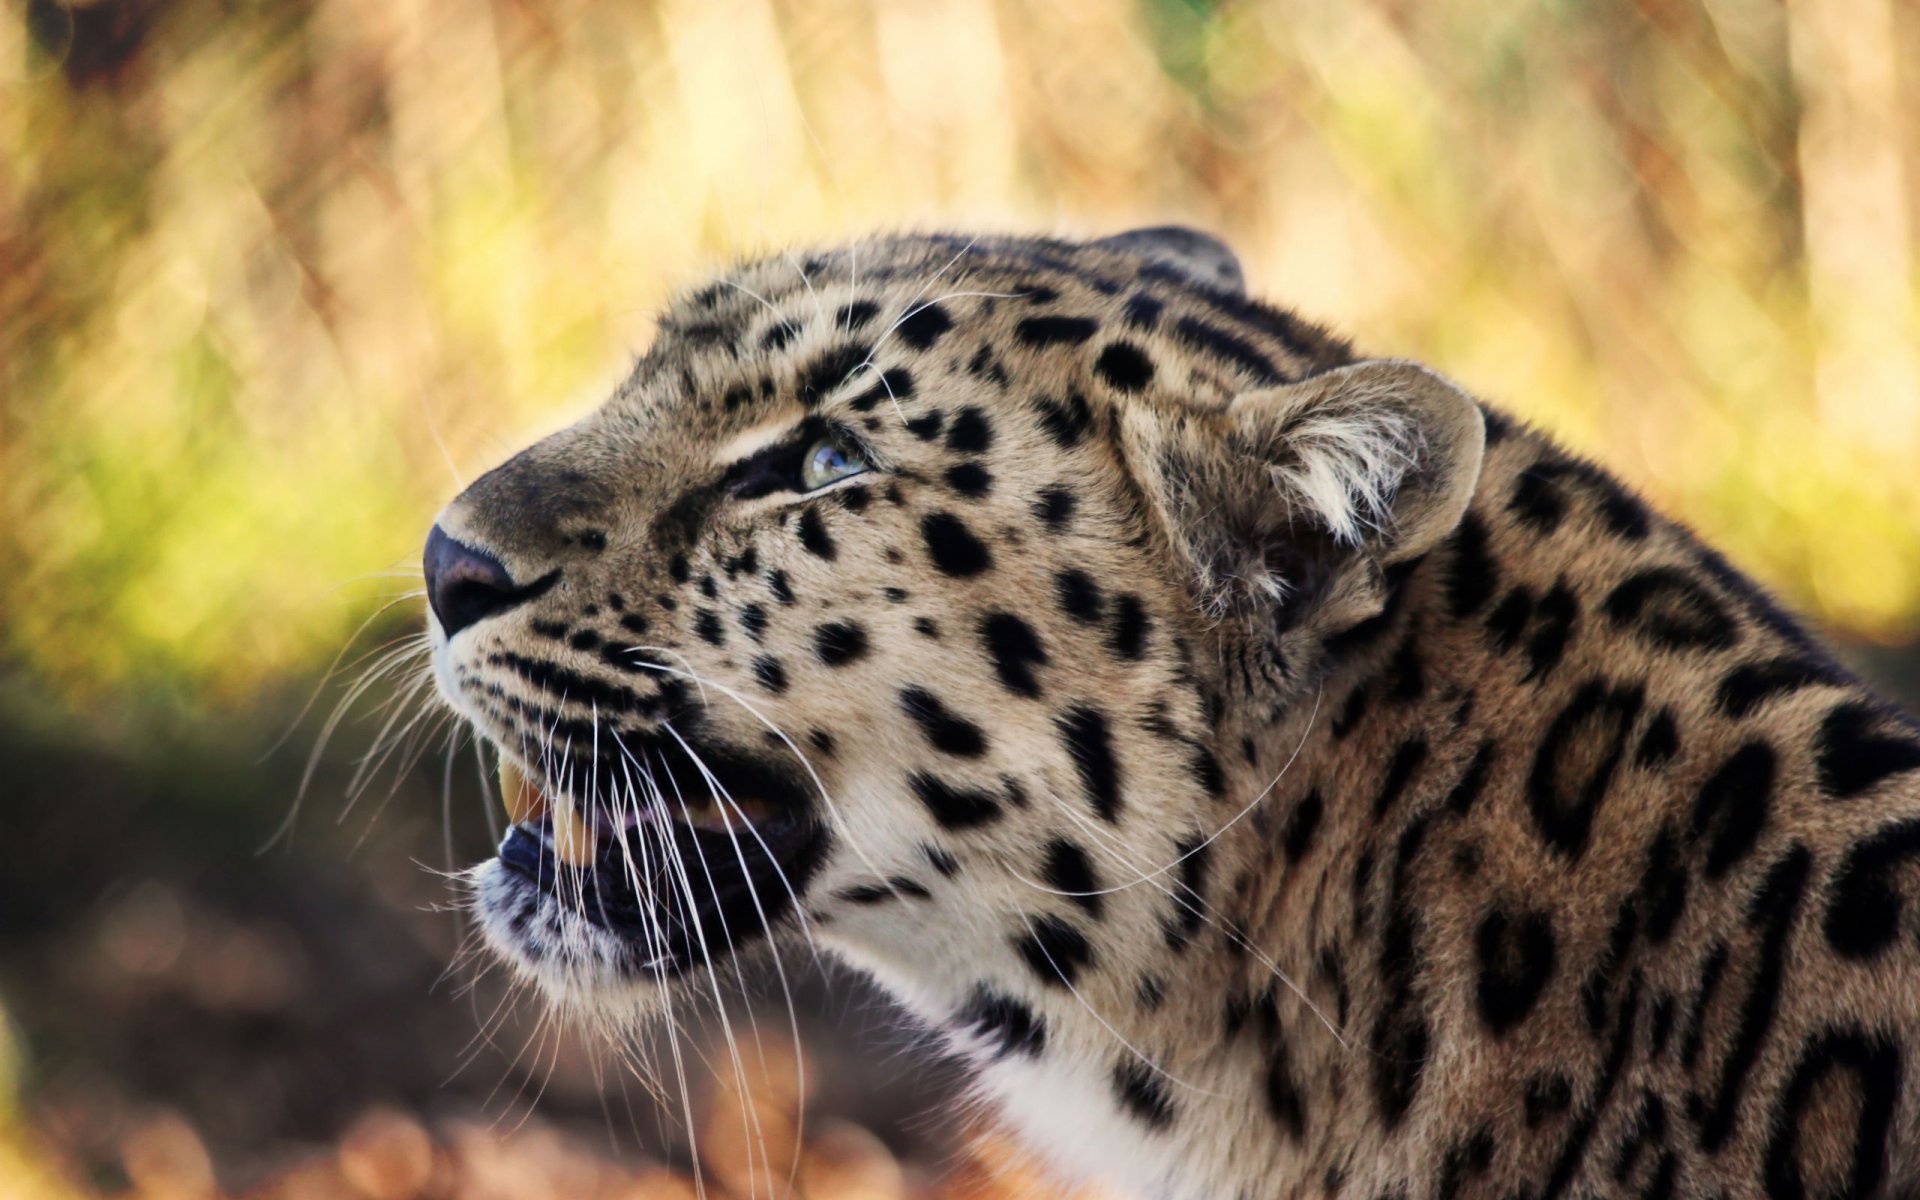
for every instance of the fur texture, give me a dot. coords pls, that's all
(1277, 773)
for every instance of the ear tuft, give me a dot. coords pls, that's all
(1198, 257)
(1382, 454)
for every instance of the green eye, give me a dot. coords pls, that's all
(828, 461)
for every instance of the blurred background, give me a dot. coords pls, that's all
(275, 277)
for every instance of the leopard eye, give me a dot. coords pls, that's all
(829, 461)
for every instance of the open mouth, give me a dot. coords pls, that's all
(683, 855)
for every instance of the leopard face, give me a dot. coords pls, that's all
(874, 606)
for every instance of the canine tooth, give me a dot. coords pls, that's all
(573, 835)
(523, 798)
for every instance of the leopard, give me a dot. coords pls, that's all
(1269, 770)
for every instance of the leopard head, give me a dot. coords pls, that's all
(907, 594)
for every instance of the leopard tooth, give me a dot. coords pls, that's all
(524, 799)
(574, 835)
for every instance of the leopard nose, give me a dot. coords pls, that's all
(465, 585)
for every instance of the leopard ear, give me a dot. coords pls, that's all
(1287, 506)
(1196, 257)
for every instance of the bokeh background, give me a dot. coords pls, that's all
(276, 275)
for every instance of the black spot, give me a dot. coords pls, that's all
(1536, 501)
(1401, 1045)
(1207, 772)
(893, 385)
(1068, 870)
(1302, 824)
(1285, 1102)
(1660, 1024)
(1083, 731)
(1007, 1024)
(1128, 636)
(1406, 682)
(1516, 957)
(1556, 615)
(1142, 311)
(781, 589)
(924, 326)
(948, 732)
(1054, 950)
(1233, 348)
(1648, 1127)
(895, 595)
(1863, 912)
(771, 674)
(1772, 912)
(1671, 610)
(1854, 757)
(1873, 1060)
(1124, 366)
(854, 315)
(1055, 331)
(1080, 596)
(1539, 500)
(971, 432)
(1143, 1093)
(1576, 762)
(970, 479)
(940, 860)
(677, 568)
(1406, 760)
(813, 535)
(953, 547)
(1663, 888)
(1065, 421)
(1547, 1096)
(830, 370)
(1464, 1160)
(1508, 620)
(926, 628)
(927, 426)
(1151, 993)
(1473, 780)
(1712, 970)
(1473, 576)
(1348, 718)
(1015, 649)
(839, 643)
(952, 806)
(1054, 506)
(1596, 990)
(1732, 806)
(586, 639)
(635, 624)
(1194, 856)
(879, 893)
(1750, 685)
(1660, 743)
(777, 337)
(706, 623)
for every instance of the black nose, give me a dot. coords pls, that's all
(465, 585)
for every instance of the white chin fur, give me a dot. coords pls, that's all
(575, 964)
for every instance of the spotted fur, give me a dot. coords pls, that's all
(1275, 772)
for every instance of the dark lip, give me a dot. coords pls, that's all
(730, 887)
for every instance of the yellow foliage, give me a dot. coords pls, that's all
(274, 277)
